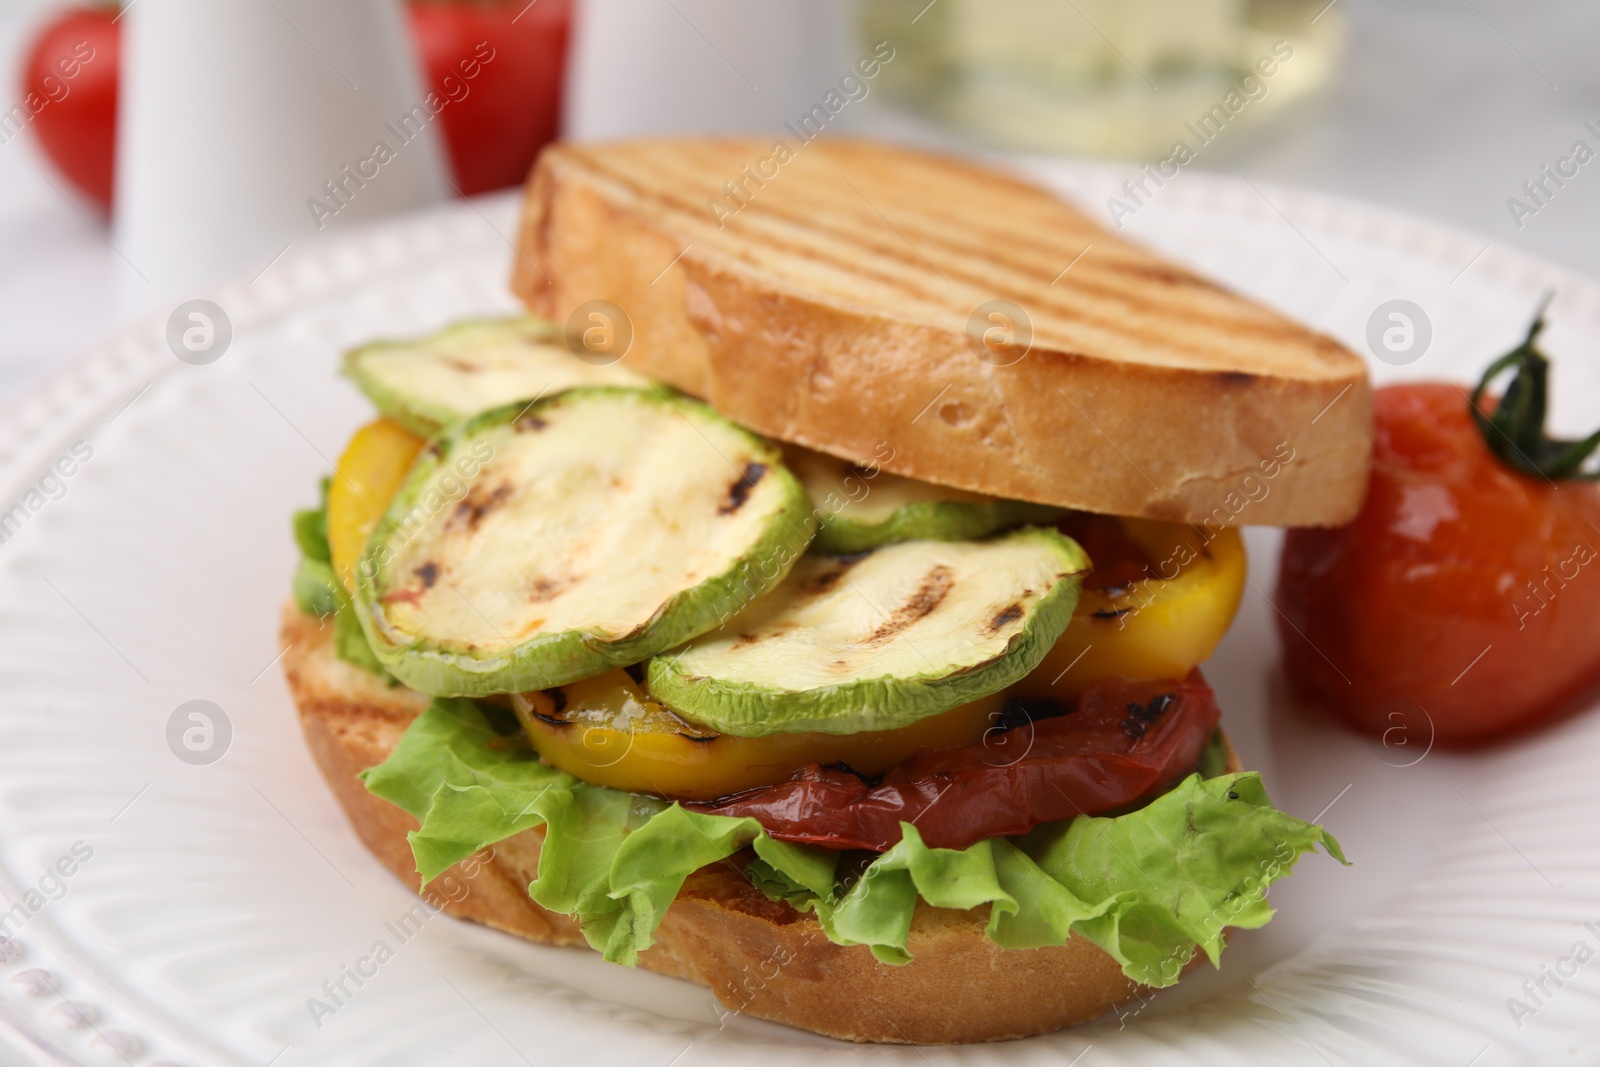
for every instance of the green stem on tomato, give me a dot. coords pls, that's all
(1514, 431)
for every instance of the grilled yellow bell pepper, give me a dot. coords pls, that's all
(370, 472)
(609, 731)
(1160, 626)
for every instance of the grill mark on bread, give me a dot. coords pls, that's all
(1160, 274)
(1029, 204)
(930, 593)
(1156, 308)
(813, 215)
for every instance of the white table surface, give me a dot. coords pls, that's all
(1443, 108)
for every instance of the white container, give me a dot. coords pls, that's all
(640, 67)
(239, 117)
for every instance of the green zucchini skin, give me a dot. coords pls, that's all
(550, 367)
(929, 520)
(749, 708)
(440, 665)
(862, 506)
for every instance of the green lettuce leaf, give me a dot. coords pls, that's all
(318, 591)
(350, 641)
(614, 860)
(311, 529)
(1151, 887)
(1028, 908)
(1174, 873)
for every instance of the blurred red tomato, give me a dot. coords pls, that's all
(69, 90)
(499, 63)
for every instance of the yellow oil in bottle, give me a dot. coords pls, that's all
(1121, 78)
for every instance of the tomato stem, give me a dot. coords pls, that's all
(1514, 430)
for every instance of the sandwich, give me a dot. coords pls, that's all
(808, 596)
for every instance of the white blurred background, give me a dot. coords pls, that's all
(1439, 107)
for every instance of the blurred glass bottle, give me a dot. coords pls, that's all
(1106, 77)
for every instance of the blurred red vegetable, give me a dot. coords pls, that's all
(498, 119)
(498, 63)
(69, 97)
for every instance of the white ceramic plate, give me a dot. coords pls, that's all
(219, 898)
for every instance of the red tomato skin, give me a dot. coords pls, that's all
(73, 65)
(1463, 588)
(499, 117)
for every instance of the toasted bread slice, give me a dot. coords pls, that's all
(758, 956)
(834, 294)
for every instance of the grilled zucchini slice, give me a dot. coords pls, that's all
(880, 641)
(531, 546)
(428, 383)
(861, 506)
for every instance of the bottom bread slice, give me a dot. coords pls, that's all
(759, 957)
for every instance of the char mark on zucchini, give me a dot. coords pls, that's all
(1005, 617)
(931, 591)
(739, 491)
(547, 589)
(477, 504)
(825, 581)
(831, 661)
(428, 573)
(429, 383)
